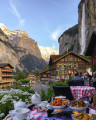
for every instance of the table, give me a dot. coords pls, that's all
(81, 91)
(43, 115)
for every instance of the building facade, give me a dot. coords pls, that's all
(32, 77)
(66, 64)
(6, 77)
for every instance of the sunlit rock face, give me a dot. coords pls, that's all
(7, 53)
(22, 51)
(90, 20)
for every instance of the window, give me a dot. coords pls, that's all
(78, 59)
(68, 59)
(64, 65)
(62, 60)
(58, 72)
(76, 64)
(69, 65)
(57, 64)
(65, 71)
(65, 59)
(73, 59)
(62, 72)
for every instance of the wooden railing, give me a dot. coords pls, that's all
(7, 70)
(7, 75)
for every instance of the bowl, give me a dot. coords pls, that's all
(22, 113)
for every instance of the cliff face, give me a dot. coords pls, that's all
(90, 19)
(22, 43)
(21, 50)
(7, 53)
(69, 40)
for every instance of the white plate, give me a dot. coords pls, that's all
(63, 97)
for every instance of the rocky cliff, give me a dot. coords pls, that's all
(7, 53)
(25, 48)
(90, 19)
(68, 41)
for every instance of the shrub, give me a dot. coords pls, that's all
(48, 95)
(20, 75)
(27, 89)
(60, 84)
(24, 81)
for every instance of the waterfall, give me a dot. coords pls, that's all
(83, 37)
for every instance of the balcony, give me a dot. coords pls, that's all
(6, 75)
(7, 70)
(6, 81)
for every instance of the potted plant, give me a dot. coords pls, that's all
(62, 88)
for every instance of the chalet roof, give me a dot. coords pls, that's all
(44, 71)
(80, 56)
(5, 64)
(91, 46)
(53, 58)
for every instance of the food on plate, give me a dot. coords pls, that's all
(82, 116)
(59, 102)
(77, 103)
(75, 111)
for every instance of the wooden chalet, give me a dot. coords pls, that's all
(32, 77)
(6, 77)
(64, 65)
(45, 75)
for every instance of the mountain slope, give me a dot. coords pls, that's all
(7, 53)
(47, 51)
(24, 46)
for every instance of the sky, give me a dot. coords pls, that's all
(43, 20)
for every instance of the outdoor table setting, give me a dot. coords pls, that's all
(58, 108)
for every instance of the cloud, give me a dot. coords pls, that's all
(17, 14)
(55, 34)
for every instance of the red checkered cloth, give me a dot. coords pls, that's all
(38, 115)
(81, 91)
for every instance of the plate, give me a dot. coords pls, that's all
(63, 97)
